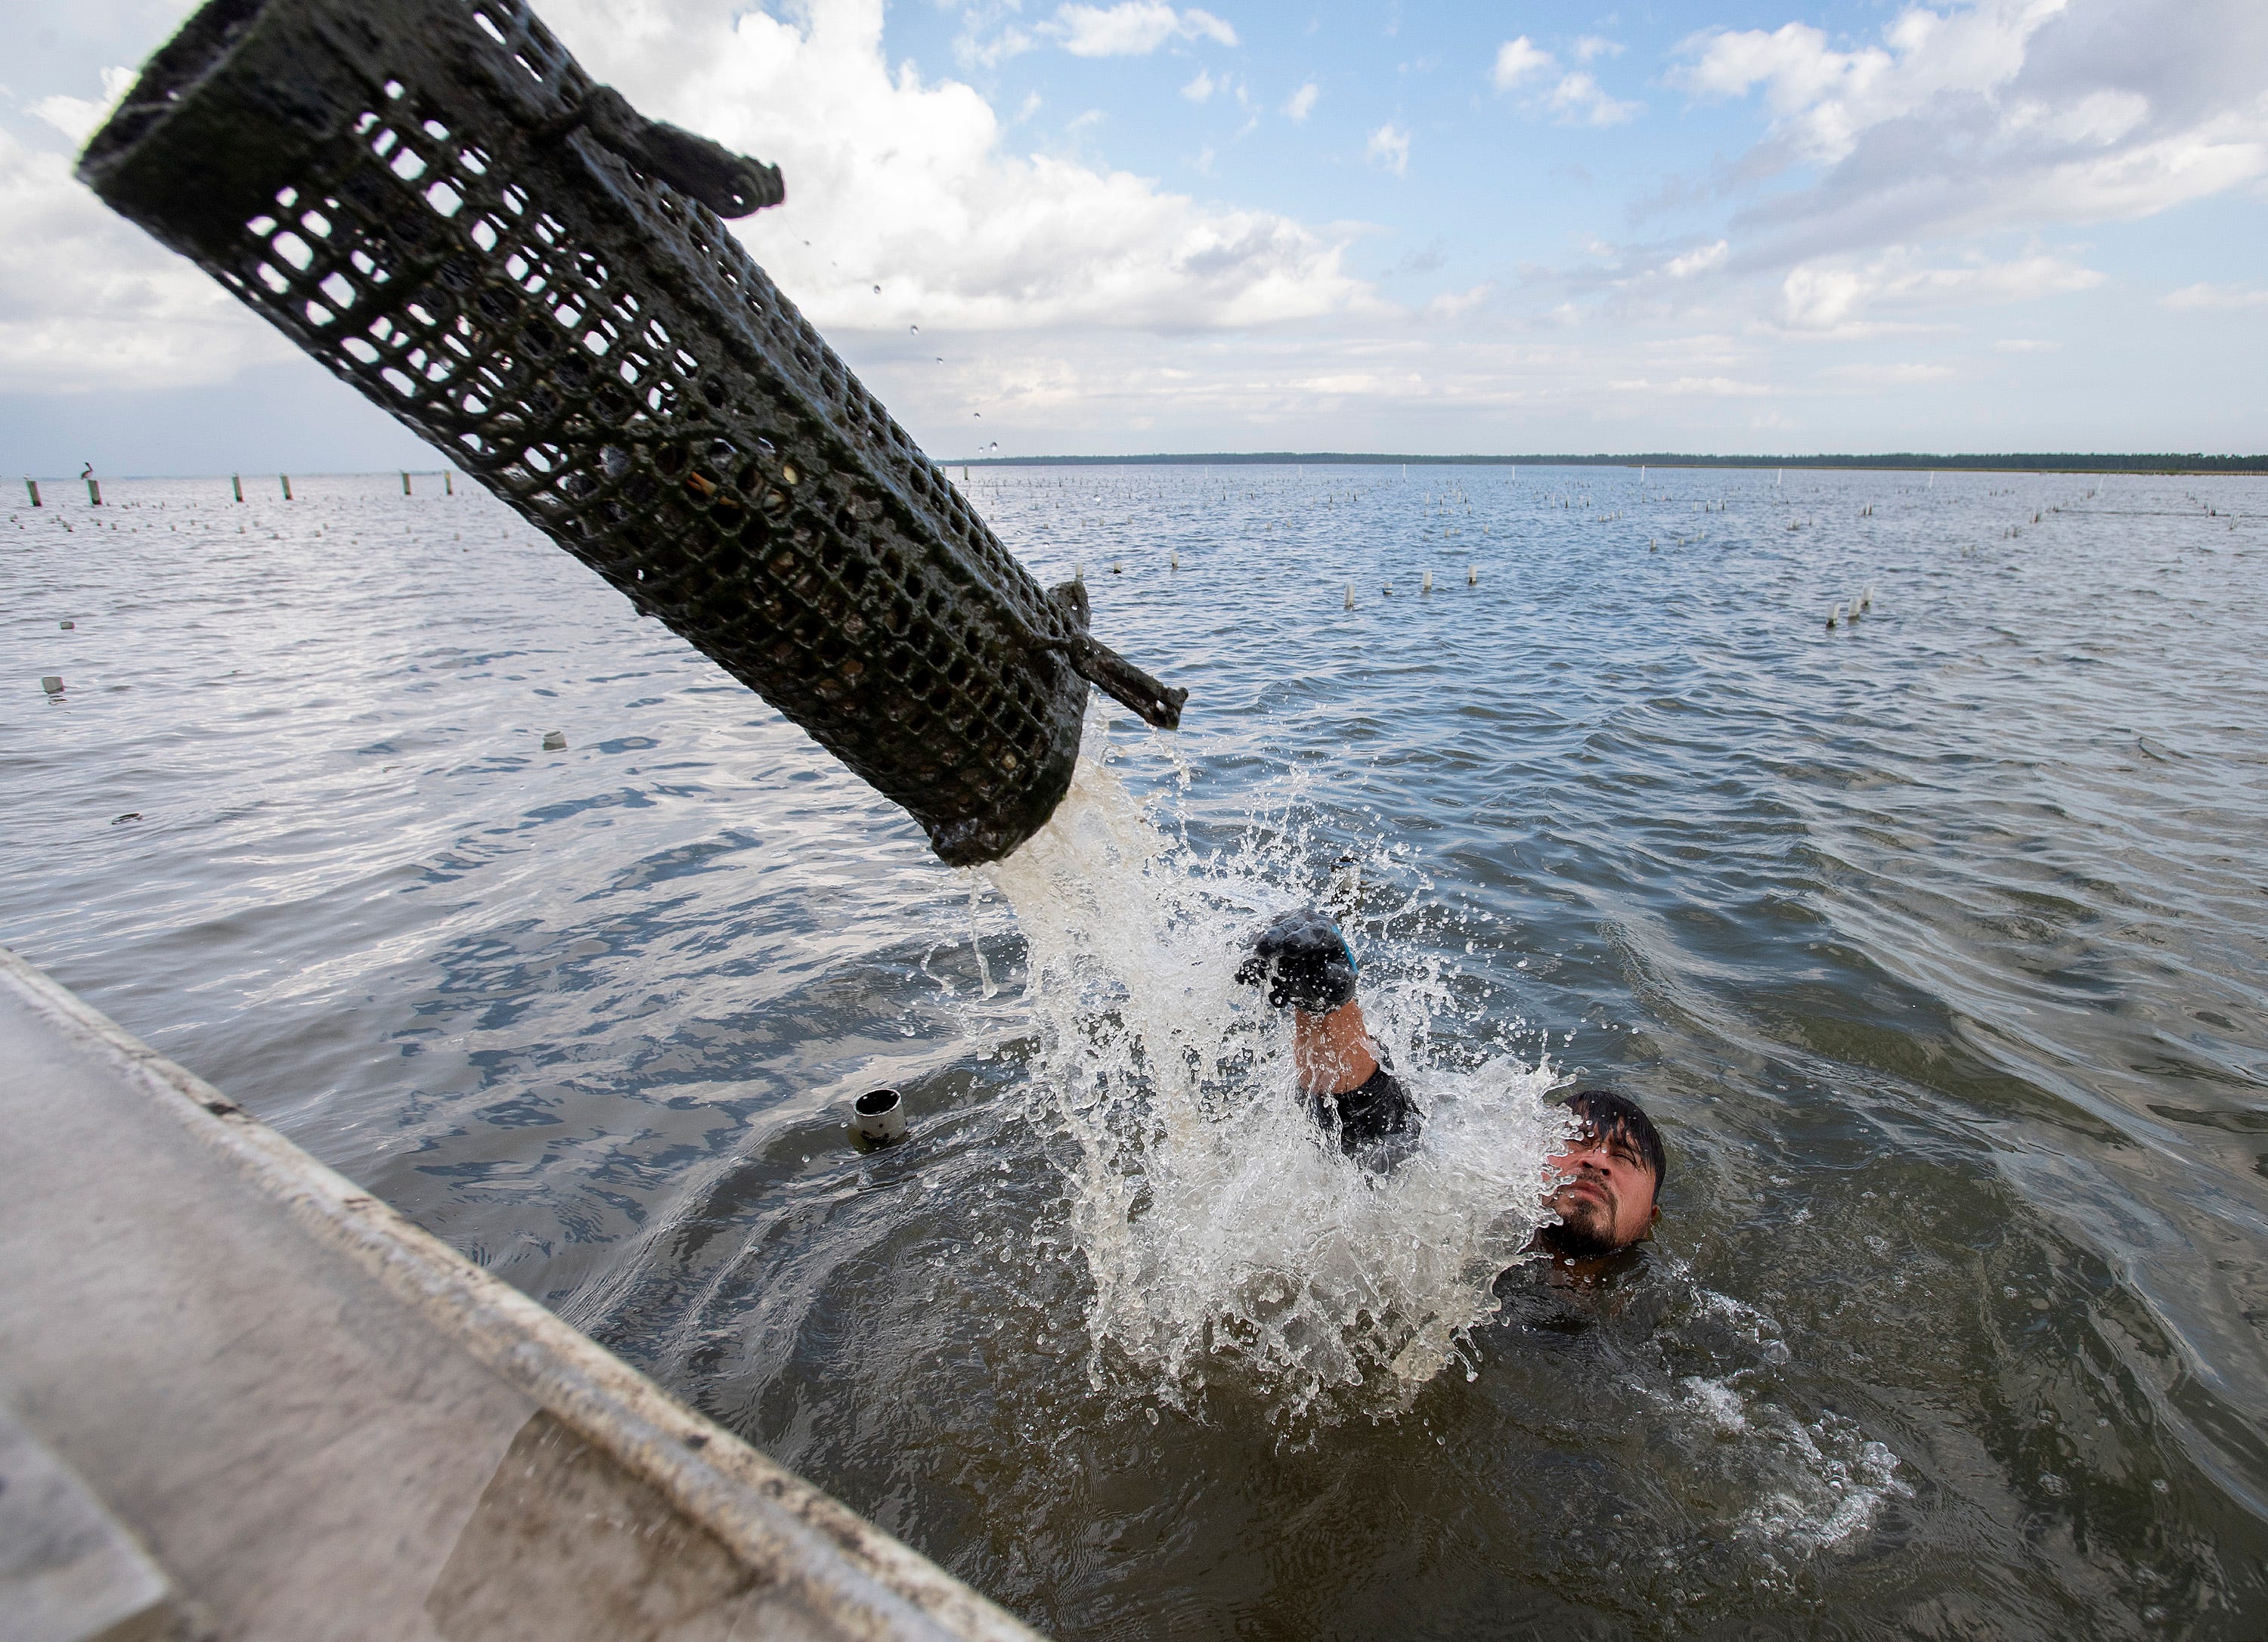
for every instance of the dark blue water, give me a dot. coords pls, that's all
(1934, 939)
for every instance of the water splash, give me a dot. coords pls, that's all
(1227, 1245)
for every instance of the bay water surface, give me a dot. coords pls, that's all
(1934, 939)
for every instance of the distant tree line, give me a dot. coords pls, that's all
(2013, 461)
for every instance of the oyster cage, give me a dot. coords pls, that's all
(435, 201)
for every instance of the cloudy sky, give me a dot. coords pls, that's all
(1725, 225)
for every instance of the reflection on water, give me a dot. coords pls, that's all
(1933, 940)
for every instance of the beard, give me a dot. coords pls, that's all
(1585, 1230)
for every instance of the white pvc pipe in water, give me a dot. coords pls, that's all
(879, 1116)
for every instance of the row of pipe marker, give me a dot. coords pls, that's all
(235, 484)
(1472, 580)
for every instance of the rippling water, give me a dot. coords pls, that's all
(1934, 939)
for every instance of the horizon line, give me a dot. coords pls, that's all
(2158, 462)
(2068, 462)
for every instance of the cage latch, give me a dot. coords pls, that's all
(729, 184)
(1146, 697)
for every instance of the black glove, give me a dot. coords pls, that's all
(1305, 961)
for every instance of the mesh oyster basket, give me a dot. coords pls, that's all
(434, 199)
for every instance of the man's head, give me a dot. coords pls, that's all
(1603, 1186)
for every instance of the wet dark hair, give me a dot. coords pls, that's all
(1606, 1115)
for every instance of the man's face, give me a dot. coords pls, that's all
(1602, 1192)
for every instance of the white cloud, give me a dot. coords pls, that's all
(1301, 104)
(906, 183)
(1898, 373)
(2024, 344)
(2218, 297)
(1578, 100)
(1518, 60)
(93, 303)
(1451, 304)
(1700, 262)
(1593, 47)
(1200, 88)
(1389, 146)
(1195, 23)
(2095, 121)
(971, 50)
(1133, 28)
(1833, 295)
(77, 117)
(1806, 83)
(1997, 113)
(1708, 386)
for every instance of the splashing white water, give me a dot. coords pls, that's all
(1227, 1241)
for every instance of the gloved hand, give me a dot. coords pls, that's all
(1303, 960)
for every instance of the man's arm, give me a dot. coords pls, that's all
(1331, 1052)
(1304, 963)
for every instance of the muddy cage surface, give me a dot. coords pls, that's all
(434, 199)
